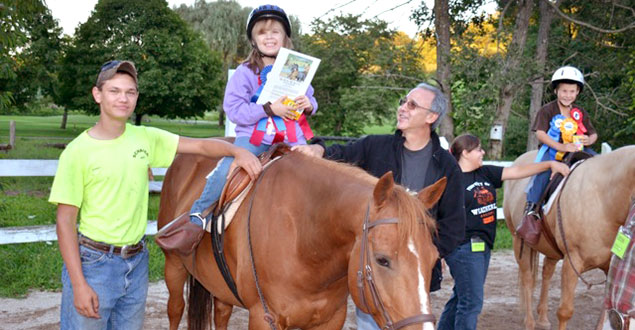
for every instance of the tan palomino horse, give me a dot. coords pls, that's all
(594, 203)
(307, 233)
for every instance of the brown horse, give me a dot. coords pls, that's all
(594, 202)
(310, 232)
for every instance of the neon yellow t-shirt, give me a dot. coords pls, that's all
(108, 181)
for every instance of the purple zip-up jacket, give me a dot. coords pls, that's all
(246, 114)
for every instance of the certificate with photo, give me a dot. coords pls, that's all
(290, 75)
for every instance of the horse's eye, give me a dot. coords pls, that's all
(383, 261)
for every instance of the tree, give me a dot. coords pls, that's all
(14, 20)
(222, 24)
(37, 62)
(179, 76)
(442, 28)
(512, 73)
(365, 68)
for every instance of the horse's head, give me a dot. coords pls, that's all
(390, 267)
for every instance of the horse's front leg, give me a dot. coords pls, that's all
(548, 268)
(222, 313)
(175, 277)
(568, 283)
(527, 277)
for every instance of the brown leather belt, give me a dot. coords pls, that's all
(125, 251)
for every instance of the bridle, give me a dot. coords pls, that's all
(365, 274)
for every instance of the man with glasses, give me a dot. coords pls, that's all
(102, 176)
(416, 159)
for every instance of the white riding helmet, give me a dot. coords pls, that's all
(567, 74)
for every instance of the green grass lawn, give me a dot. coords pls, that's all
(23, 200)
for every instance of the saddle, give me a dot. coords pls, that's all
(239, 179)
(531, 231)
(236, 184)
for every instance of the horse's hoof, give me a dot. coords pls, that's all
(543, 325)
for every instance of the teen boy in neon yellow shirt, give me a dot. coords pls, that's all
(103, 177)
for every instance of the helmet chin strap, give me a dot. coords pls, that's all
(261, 53)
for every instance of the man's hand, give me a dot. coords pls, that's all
(313, 150)
(86, 301)
(245, 159)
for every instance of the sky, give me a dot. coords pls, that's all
(72, 13)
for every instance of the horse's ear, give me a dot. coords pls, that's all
(383, 189)
(430, 195)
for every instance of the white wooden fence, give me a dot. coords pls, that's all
(38, 167)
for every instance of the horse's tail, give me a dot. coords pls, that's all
(533, 255)
(200, 303)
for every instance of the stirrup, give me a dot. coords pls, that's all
(203, 219)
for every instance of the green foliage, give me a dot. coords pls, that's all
(21, 26)
(178, 75)
(222, 24)
(37, 266)
(363, 72)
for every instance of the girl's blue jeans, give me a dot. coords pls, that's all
(216, 180)
(469, 270)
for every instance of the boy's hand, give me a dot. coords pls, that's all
(281, 110)
(86, 301)
(303, 102)
(245, 159)
(313, 150)
(585, 140)
(569, 147)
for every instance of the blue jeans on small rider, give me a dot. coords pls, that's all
(121, 286)
(469, 270)
(218, 177)
(538, 183)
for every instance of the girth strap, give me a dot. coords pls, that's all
(219, 254)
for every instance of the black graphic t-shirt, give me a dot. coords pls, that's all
(479, 188)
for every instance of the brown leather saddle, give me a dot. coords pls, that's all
(239, 179)
(569, 160)
(237, 182)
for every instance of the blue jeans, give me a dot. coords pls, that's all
(121, 286)
(538, 183)
(218, 177)
(365, 321)
(469, 270)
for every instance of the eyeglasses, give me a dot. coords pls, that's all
(109, 65)
(410, 104)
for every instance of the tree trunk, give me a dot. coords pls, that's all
(442, 28)
(137, 119)
(546, 17)
(509, 75)
(64, 119)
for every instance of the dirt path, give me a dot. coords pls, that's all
(40, 310)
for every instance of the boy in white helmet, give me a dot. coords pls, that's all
(567, 83)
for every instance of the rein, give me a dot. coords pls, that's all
(561, 227)
(365, 274)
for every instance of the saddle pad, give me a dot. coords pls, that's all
(234, 204)
(556, 192)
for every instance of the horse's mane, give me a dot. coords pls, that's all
(411, 212)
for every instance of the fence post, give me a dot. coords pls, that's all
(12, 134)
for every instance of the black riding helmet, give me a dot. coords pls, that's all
(265, 12)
